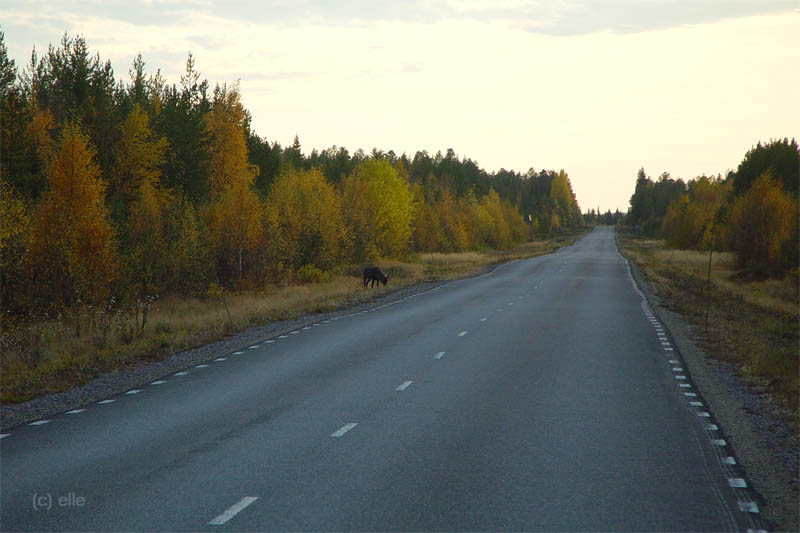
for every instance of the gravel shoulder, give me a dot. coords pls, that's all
(762, 442)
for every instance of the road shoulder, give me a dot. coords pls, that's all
(763, 443)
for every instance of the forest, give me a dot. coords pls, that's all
(752, 212)
(116, 191)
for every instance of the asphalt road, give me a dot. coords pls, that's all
(540, 396)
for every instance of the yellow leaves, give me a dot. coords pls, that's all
(304, 223)
(139, 155)
(378, 209)
(234, 227)
(225, 127)
(38, 133)
(685, 223)
(14, 236)
(561, 195)
(71, 253)
(764, 227)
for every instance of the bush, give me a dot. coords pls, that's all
(310, 274)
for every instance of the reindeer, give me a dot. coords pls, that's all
(373, 274)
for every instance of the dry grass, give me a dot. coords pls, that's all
(753, 323)
(47, 356)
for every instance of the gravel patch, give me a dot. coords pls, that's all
(765, 446)
(115, 383)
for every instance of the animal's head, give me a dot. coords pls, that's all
(385, 280)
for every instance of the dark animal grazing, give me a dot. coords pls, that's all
(374, 274)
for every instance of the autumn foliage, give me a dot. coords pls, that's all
(753, 215)
(113, 194)
(71, 257)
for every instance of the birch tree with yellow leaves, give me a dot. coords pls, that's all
(71, 255)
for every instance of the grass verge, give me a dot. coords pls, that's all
(50, 356)
(752, 323)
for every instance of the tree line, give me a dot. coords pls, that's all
(121, 191)
(752, 212)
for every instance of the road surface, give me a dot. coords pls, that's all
(543, 395)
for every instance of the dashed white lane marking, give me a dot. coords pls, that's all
(438, 355)
(696, 404)
(344, 429)
(677, 369)
(737, 483)
(510, 303)
(462, 333)
(404, 385)
(158, 382)
(75, 411)
(750, 507)
(704, 414)
(253, 347)
(39, 422)
(220, 359)
(315, 325)
(104, 402)
(270, 341)
(686, 385)
(201, 366)
(4, 435)
(729, 460)
(500, 310)
(712, 427)
(180, 373)
(680, 376)
(134, 391)
(719, 442)
(484, 319)
(295, 332)
(674, 361)
(238, 353)
(283, 336)
(307, 327)
(233, 510)
(325, 321)
(690, 394)
(669, 349)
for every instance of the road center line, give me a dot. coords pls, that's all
(404, 385)
(233, 510)
(344, 429)
(439, 355)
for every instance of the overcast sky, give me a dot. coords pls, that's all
(598, 88)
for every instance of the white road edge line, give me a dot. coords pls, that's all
(344, 429)
(233, 510)
(404, 385)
